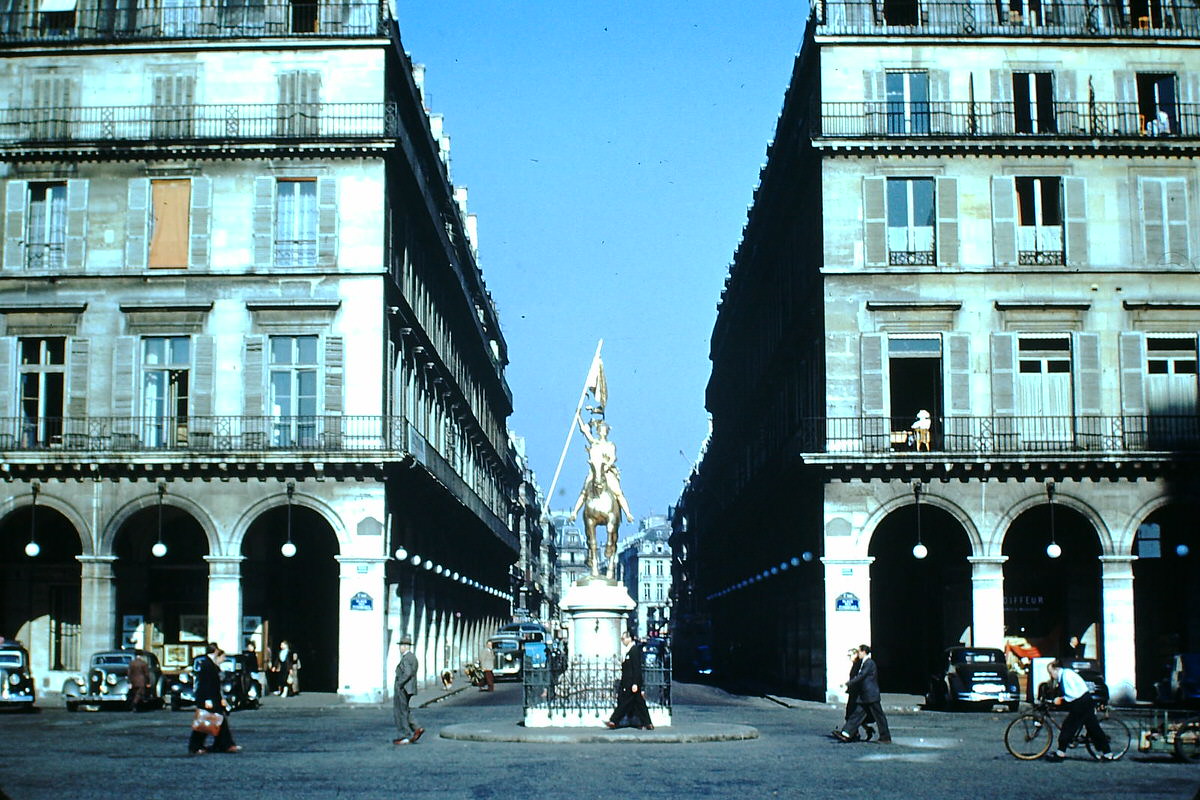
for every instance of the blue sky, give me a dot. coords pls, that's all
(610, 150)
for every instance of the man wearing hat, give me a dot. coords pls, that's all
(402, 692)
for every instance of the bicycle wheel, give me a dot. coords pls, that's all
(1118, 737)
(1187, 742)
(1028, 737)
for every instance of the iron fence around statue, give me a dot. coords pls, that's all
(590, 687)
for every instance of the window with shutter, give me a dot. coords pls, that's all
(52, 107)
(1039, 221)
(1044, 388)
(42, 383)
(1157, 105)
(1164, 210)
(910, 221)
(296, 223)
(46, 221)
(299, 107)
(1033, 102)
(174, 109)
(304, 17)
(166, 374)
(292, 384)
(907, 102)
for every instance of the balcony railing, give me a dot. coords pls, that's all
(93, 21)
(197, 123)
(970, 436)
(1150, 19)
(993, 120)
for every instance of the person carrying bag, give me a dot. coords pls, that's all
(212, 717)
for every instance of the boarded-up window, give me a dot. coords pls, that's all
(170, 210)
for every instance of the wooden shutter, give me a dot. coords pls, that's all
(254, 377)
(77, 205)
(1002, 113)
(123, 372)
(1004, 220)
(1125, 88)
(1086, 347)
(77, 379)
(958, 373)
(1075, 221)
(873, 355)
(264, 221)
(1004, 374)
(1176, 219)
(334, 375)
(137, 223)
(201, 223)
(201, 388)
(875, 221)
(8, 383)
(16, 200)
(947, 222)
(327, 222)
(1132, 346)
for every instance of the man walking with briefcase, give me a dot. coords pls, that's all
(210, 704)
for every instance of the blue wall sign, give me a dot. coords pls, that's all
(847, 601)
(362, 602)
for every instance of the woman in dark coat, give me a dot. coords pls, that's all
(208, 696)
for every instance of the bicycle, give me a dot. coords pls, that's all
(1031, 735)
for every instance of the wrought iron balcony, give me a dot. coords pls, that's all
(996, 120)
(1148, 19)
(93, 125)
(92, 21)
(1001, 435)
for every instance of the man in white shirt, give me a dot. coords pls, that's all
(1081, 711)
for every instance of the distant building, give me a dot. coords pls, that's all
(644, 565)
(535, 594)
(572, 550)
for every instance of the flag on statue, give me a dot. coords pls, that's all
(596, 383)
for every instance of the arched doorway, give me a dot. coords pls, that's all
(39, 595)
(1047, 600)
(162, 600)
(919, 606)
(294, 599)
(1166, 596)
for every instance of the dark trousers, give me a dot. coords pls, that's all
(222, 741)
(851, 706)
(631, 704)
(489, 678)
(1081, 712)
(859, 717)
(402, 715)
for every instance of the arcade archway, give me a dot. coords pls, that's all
(294, 599)
(1166, 592)
(1047, 600)
(162, 600)
(919, 606)
(39, 594)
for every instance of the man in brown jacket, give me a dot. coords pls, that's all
(139, 681)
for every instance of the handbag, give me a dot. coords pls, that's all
(207, 722)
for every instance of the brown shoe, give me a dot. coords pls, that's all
(235, 748)
(417, 734)
(400, 741)
(610, 724)
(649, 727)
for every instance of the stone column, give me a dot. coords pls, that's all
(1120, 660)
(987, 601)
(97, 604)
(225, 602)
(362, 654)
(847, 616)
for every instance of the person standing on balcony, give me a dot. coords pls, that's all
(921, 428)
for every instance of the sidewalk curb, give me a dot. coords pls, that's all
(673, 734)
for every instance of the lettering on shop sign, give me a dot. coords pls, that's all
(362, 602)
(1024, 602)
(847, 601)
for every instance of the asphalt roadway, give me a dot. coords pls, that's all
(313, 746)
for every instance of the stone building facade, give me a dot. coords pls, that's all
(955, 359)
(251, 380)
(644, 566)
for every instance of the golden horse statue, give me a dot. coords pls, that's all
(601, 497)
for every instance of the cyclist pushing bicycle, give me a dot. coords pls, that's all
(1081, 712)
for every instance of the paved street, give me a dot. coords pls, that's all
(314, 747)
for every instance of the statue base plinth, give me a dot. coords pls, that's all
(597, 612)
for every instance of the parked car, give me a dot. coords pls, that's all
(16, 681)
(507, 647)
(106, 681)
(1092, 673)
(975, 676)
(239, 687)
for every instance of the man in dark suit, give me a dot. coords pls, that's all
(630, 699)
(402, 692)
(866, 684)
(207, 674)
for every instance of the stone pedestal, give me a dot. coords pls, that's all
(597, 612)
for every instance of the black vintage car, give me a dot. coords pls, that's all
(238, 685)
(974, 676)
(106, 681)
(16, 681)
